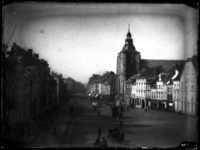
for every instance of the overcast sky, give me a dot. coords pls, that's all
(79, 40)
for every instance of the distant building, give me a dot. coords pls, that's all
(142, 82)
(129, 63)
(94, 83)
(172, 83)
(188, 85)
(103, 86)
(15, 82)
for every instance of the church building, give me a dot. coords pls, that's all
(129, 63)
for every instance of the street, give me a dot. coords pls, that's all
(142, 128)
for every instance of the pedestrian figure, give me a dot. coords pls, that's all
(104, 142)
(97, 142)
(54, 130)
(99, 131)
(98, 112)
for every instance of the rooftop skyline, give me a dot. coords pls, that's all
(79, 40)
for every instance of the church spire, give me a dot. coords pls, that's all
(128, 27)
(128, 34)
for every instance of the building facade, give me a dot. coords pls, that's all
(188, 88)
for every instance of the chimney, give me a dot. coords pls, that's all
(36, 55)
(30, 51)
(159, 77)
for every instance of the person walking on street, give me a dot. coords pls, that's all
(104, 143)
(99, 112)
(99, 131)
(97, 142)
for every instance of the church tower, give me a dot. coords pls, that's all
(128, 61)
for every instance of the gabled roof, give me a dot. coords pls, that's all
(152, 81)
(131, 79)
(94, 78)
(174, 72)
(18, 50)
(166, 64)
(109, 81)
(180, 69)
(194, 60)
(104, 76)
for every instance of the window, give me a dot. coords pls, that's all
(186, 78)
(192, 79)
(192, 88)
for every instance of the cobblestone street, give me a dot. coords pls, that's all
(142, 128)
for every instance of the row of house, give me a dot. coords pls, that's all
(150, 83)
(30, 88)
(171, 90)
(102, 85)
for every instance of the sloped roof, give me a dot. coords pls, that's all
(166, 64)
(109, 81)
(172, 72)
(180, 69)
(131, 79)
(194, 60)
(128, 46)
(104, 76)
(19, 50)
(152, 81)
(95, 77)
(151, 72)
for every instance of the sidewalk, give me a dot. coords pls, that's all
(47, 137)
(40, 123)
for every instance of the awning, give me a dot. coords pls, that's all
(93, 94)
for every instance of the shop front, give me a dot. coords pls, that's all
(132, 103)
(153, 104)
(138, 103)
(168, 105)
(148, 103)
